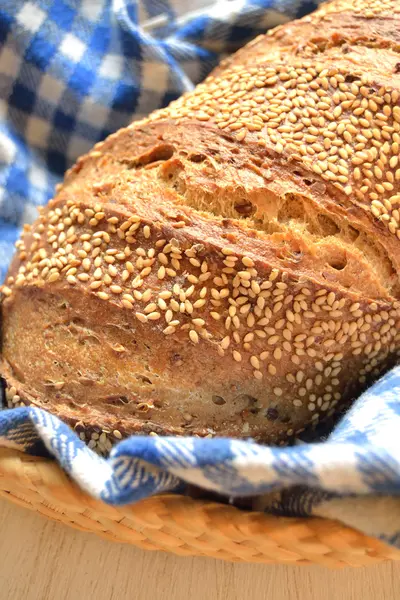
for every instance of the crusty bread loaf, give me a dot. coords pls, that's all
(230, 265)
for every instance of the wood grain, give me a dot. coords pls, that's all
(42, 560)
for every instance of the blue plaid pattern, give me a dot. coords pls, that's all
(73, 71)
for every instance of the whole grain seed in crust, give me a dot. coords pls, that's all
(230, 265)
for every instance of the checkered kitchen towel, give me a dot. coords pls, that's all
(73, 71)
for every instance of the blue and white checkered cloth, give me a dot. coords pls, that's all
(73, 71)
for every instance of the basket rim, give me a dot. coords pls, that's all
(24, 474)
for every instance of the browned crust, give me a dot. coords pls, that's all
(280, 276)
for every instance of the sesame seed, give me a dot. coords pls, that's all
(272, 369)
(126, 304)
(237, 356)
(247, 262)
(103, 295)
(154, 316)
(162, 304)
(174, 305)
(254, 361)
(225, 342)
(141, 317)
(165, 295)
(150, 307)
(116, 289)
(198, 322)
(51, 279)
(244, 275)
(193, 336)
(169, 330)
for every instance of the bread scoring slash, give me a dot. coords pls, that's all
(229, 265)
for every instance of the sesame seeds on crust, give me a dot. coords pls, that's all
(258, 317)
(365, 8)
(328, 108)
(323, 106)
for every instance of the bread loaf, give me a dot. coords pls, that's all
(230, 265)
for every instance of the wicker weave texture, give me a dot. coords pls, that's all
(185, 526)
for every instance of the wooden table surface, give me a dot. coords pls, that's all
(43, 560)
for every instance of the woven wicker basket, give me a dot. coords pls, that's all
(185, 526)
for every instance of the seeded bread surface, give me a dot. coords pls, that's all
(230, 265)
